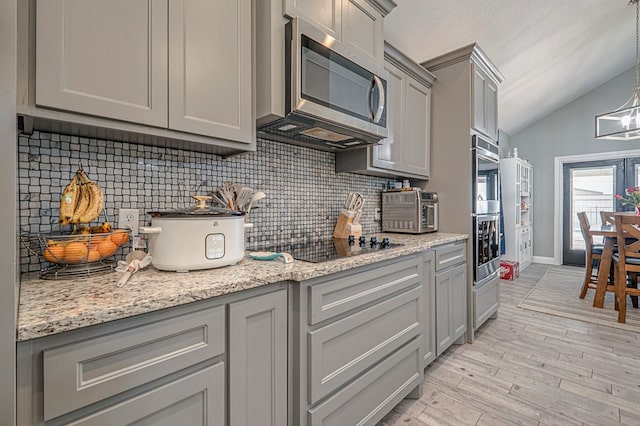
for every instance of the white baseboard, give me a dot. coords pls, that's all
(545, 260)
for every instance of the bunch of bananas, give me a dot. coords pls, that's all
(82, 200)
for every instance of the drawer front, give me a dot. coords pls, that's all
(342, 350)
(82, 373)
(197, 399)
(486, 300)
(450, 255)
(356, 289)
(372, 396)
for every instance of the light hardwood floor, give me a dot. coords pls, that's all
(531, 368)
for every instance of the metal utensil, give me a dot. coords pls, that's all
(243, 198)
(254, 199)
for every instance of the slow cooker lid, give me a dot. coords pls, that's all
(197, 212)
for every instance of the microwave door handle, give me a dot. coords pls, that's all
(381, 99)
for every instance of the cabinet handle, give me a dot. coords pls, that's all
(381, 98)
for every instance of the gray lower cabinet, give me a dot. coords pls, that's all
(451, 295)
(197, 399)
(216, 362)
(429, 349)
(358, 342)
(258, 360)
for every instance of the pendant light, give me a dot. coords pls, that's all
(623, 124)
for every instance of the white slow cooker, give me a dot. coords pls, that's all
(201, 237)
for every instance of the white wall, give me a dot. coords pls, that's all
(8, 280)
(568, 131)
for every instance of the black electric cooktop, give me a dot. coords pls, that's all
(325, 250)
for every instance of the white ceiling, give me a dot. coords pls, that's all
(550, 51)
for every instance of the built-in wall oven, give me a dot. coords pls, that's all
(486, 210)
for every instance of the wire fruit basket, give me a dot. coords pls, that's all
(81, 254)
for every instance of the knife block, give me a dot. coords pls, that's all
(346, 225)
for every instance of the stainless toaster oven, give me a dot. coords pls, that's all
(412, 212)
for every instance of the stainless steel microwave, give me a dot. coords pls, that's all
(412, 212)
(334, 98)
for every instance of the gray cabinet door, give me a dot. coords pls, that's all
(325, 14)
(210, 68)
(84, 372)
(485, 103)
(258, 360)
(444, 323)
(417, 128)
(388, 154)
(429, 310)
(459, 300)
(196, 399)
(362, 28)
(88, 64)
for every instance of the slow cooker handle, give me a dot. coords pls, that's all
(150, 229)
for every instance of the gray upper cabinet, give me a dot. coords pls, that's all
(170, 70)
(485, 103)
(79, 68)
(406, 152)
(325, 14)
(355, 22)
(362, 28)
(210, 74)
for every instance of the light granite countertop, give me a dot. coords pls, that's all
(54, 306)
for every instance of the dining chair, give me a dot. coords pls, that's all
(627, 262)
(607, 218)
(592, 252)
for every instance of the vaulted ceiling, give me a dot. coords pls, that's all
(550, 51)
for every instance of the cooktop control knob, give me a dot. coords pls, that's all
(352, 240)
(362, 240)
(374, 241)
(385, 242)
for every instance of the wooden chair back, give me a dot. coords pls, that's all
(584, 228)
(607, 218)
(628, 233)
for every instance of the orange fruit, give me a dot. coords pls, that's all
(94, 255)
(97, 239)
(107, 247)
(53, 254)
(75, 252)
(119, 237)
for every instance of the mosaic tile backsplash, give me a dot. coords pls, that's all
(304, 194)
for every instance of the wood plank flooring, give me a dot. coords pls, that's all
(531, 368)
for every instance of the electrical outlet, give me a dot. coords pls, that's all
(128, 219)
(377, 214)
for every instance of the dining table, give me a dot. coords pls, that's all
(609, 234)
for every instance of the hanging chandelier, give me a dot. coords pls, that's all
(623, 124)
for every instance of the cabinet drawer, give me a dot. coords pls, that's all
(486, 299)
(194, 399)
(450, 255)
(82, 373)
(356, 289)
(369, 398)
(342, 350)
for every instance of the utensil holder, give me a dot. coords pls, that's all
(347, 225)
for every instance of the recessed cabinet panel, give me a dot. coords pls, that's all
(210, 68)
(81, 373)
(388, 153)
(416, 129)
(88, 64)
(197, 399)
(362, 28)
(479, 83)
(491, 105)
(258, 360)
(326, 14)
